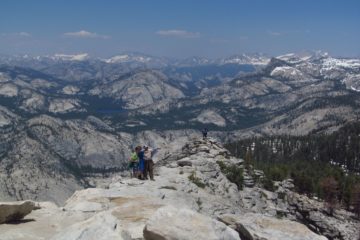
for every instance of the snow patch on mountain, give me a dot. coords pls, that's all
(286, 71)
(128, 58)
(354, 89)
(303, 56)
(75, 57)
(255, 59)
(294, 58)
(330, 63)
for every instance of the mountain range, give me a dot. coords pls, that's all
(64, 118)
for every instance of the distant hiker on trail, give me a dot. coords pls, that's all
(204, 133)
(149, 163)
(140, 154)
(134, 164)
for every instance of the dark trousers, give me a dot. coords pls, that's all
(149, 168)
(204, 136)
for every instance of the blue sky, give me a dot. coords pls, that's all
(179, 28)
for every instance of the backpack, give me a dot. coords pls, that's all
(147, 155)
(134, 157)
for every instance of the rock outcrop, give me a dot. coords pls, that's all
(170, 223)
(14, 211)
(284, 203)
(259, 227)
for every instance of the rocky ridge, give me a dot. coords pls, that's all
(192, 192)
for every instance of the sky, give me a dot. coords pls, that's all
(174, 28)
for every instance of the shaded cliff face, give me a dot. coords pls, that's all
(192, 191)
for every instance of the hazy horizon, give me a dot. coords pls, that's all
(183, 29)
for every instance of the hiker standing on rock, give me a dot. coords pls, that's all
(204, 133)
(149, 163)
(140, 154)
(134, 164)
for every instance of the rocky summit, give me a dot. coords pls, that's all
(194, 196)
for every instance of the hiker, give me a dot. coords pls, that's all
(140, 154)
(204, 133)
(134, 164)
(149, 163)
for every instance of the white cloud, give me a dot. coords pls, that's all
(273, 33)
(178, 33)
(16, 34)
(24, 34)
(85, 34)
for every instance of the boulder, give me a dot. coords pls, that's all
(13, 211)
(252, 226)
(169, 223)
(184, 162)
(102, 226)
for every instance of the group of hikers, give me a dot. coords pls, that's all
(141, 164)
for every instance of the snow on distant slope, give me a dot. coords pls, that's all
(255, 59)
(303, 56)
(71, 57)
(330, 63)
(127, 58)
(286, 71)
(293, 58)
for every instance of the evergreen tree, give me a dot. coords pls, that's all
(355, 199)
(330, 189)
(248, 159)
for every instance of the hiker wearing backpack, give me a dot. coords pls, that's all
(149, 163)
(204, 133)
(140, 154)
(134, 164)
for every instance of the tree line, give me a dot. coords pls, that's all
(323, 165)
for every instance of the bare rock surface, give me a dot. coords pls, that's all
(259, 227)
(102, 226)
(211, 117)
(170, 223)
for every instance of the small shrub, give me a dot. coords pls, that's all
(281, 195)
(233, 173)
(280, 215)
(197, 181)
(268, 184)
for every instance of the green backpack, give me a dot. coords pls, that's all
(134, 157)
